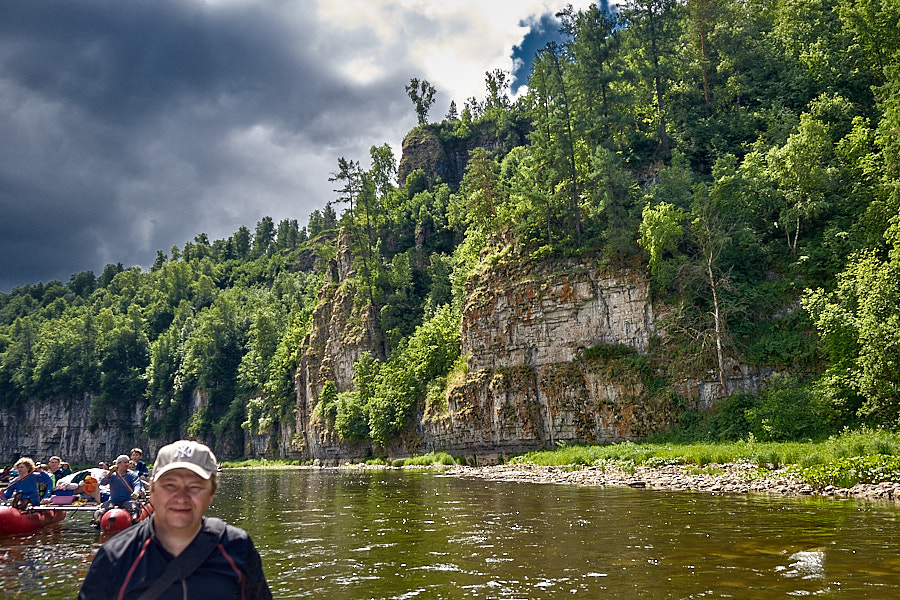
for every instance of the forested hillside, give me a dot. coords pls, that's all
(745, 153)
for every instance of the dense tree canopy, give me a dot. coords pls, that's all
(744, 152)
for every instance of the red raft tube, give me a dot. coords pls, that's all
(20, 522)
(116, 519)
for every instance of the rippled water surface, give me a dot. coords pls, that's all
(389, 534)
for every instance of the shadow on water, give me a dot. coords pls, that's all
(390, 534)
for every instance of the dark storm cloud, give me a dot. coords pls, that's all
(132, 126)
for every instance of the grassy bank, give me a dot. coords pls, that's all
(432, 458)
(865, 456)
(260, 462)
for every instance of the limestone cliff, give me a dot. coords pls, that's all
(556, 353)
(341, 333)
(530, 333)
(530, 385)
(65, 427)
(535, 316)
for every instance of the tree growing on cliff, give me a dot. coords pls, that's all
(554, 135)
(422, 95)
(592, 53)
(687, 247)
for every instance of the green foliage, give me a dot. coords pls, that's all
(661, 228)
(425, 460)
(328, 401)
(422, 95)
(862, 456)
(859, 325)
(850, 471)
(726, 421)
(389, 392)
(788, 410)
(608, 352)
(746, 151)
(350, 418)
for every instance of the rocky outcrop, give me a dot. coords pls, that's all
(530, 334)
(524, 333)
(441, 159)
(507, 411)
(537, 317)
(341, 333)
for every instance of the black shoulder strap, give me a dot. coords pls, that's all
(188, 561)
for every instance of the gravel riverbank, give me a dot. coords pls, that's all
(713, 479)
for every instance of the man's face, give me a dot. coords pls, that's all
(53, 464)
(135, 457)
(122, 466)
(180, 498)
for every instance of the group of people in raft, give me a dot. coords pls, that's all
(35, 483)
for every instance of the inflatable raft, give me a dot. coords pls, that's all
(19, 522)
(117, 519)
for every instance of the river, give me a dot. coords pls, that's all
(360, 534)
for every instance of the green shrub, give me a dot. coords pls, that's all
(350, 418)
(425, 460)
(790, 411)
(849, 471)
(608, 352)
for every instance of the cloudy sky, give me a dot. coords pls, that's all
(127, 127)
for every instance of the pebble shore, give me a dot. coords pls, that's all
(713, 479)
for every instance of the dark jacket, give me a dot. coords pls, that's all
(141, 469)
(129, 562)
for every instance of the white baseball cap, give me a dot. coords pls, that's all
(185, 454)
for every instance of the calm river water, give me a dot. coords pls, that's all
(404, 535)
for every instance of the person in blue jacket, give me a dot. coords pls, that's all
(46, 483)
(26, 482)
(124, 489)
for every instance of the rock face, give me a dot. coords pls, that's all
(531, 335)
(63, 427)
(423, 149)
(537, 318)
(529, 385)
(533, 379)
(341, 333)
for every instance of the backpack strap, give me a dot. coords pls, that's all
(183, 565)
(123, 480)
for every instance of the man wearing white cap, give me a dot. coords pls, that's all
(178, 553)
(124, 489)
